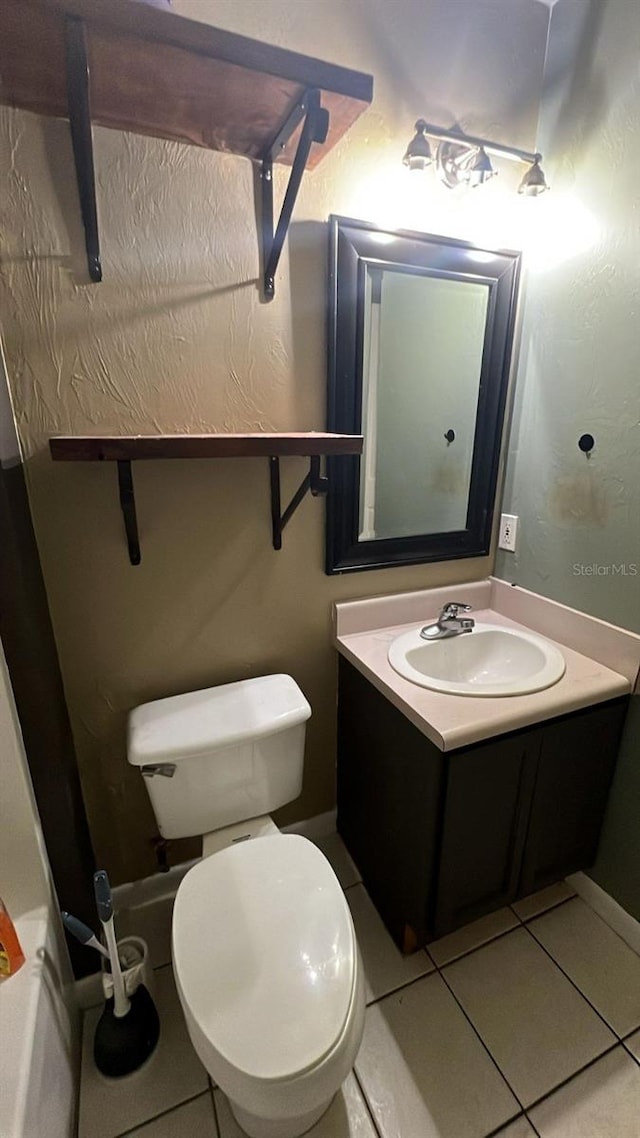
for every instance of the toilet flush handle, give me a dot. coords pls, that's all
(167, 770)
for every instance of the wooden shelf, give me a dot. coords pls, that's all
(126, 65)
(156, 73)
(119, 448)
(124, 449)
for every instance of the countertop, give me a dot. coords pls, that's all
(453, 721)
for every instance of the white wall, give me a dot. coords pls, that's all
(39, 1028)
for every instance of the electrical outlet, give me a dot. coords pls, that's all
(508, 532)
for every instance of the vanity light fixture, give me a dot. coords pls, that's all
(463, 159)
(418, 153)
(534, 181)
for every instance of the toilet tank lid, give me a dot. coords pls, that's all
(183, 726)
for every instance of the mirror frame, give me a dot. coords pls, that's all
(353, 246)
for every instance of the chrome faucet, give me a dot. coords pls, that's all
(449, 623)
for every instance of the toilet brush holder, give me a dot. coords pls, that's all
(133, 954)
(122, 1044)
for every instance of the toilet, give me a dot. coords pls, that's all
(264, 951)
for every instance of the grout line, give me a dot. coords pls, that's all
(542, 1098)
(532, 1125)
(366, 1102)
(405, 984)
(542, 912)
(439, 971)
(155, 1117)
(214, 1104)
(484, 1045)
(570, 1078)
(504, 1125)
(574, 985)
(628, 1049)
(606, 923)
(476, 948)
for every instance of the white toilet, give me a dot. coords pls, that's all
(264, 950)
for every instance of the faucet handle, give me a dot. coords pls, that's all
(451, 609)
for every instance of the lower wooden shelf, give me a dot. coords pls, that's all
(124, 449)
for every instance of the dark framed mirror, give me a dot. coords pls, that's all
(420, 341)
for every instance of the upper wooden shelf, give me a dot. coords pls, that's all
(128, 448)
(156, 73)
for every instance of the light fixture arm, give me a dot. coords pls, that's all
(481, 143)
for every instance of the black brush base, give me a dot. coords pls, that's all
(122, 1045)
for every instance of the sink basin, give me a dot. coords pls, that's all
(489, 661)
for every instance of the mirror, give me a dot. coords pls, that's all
(421, 331)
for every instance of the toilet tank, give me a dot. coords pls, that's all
(218, 756)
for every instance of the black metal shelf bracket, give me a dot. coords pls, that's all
(78, 100)
(128, 507)
(315, 129)
(314, 481)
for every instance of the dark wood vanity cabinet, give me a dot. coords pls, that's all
(441, 838)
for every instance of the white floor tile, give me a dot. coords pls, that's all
(538, 1028)
(545, 899)
(347, 1117)
(340, 859)
(423, 1070)
(633, 1043)
(604, 968)
(464, 940)
(170, 1076)
(195, 1119)
(385, 968)
(518, 1129)
(601, 1102)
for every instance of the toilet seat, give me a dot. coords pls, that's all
(265, 958)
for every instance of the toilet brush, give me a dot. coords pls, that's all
(83, 933)
(128, 1029)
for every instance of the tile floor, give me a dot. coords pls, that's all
(524, 1024)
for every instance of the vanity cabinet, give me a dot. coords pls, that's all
(441, 838)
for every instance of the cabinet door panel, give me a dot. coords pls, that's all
(389, 779)
(577, 761)
(486, 809)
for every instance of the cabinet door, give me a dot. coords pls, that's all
(577, 761)
(487, 800)
(389, 787)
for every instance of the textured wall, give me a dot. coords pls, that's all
(579, 536)
(176, 339)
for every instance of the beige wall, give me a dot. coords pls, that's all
(176, 339)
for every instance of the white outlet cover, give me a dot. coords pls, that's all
(508, 535)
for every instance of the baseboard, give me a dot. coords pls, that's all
(617, 918)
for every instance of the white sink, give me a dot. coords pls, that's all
(489, 661)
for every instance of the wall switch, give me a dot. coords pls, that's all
(508, 532)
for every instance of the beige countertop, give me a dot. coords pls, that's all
(452, 721)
